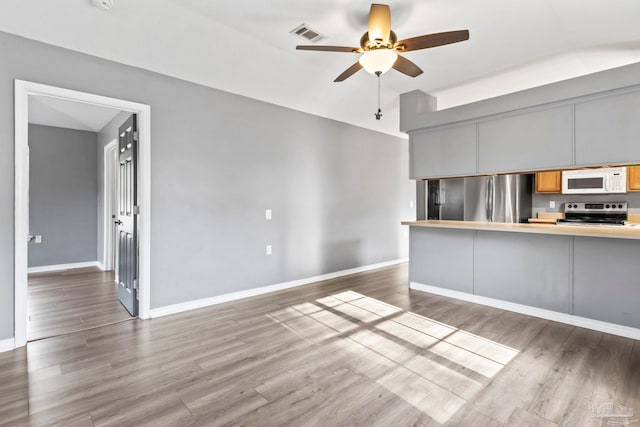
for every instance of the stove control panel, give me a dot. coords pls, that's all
(605, 207)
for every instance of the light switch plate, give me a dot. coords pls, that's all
(268, 250)
(267, 214)
(410, 203)
(38, 239)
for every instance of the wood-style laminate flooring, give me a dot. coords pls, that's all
(68, 301)
(358, 350)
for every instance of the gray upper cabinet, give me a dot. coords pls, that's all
(525, 142)
(608, 130)
(592, 130)
(444, 152)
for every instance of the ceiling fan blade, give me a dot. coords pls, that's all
(407, 67)
(329, 48)
(349, 72)
(432, 40)
(379, 23)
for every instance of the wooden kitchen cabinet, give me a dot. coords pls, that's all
(633, 178)
(549, 182)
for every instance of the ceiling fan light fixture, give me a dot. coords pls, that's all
(378, 60)
(380, 46)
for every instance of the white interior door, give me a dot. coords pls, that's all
(127, 221)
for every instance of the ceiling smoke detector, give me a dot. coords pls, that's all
(103, 4)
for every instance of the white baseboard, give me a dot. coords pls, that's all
(58, 267)
(7, 345)
(219, 299)
(570, 319)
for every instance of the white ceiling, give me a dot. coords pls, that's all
(48, 111)
(245, 47)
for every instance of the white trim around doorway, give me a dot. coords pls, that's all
(108, 188)
(23, 89)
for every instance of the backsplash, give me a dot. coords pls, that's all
(540, 202)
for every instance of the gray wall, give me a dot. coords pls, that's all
(338, 192)
(62, 195)
(105, 136)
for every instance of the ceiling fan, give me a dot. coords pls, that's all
(379, 46)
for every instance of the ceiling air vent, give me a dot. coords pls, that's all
(304, 32)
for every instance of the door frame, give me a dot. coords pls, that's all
(108, 189)
(22, 91)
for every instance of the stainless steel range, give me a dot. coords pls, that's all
(583, 213)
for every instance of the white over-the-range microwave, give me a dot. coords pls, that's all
(595, 181)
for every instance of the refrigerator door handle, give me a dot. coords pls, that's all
(490, 199)
(493, 198)
(487, 201)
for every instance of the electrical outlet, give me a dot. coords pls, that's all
(268, 250)
(38, 239)
(552, 204)
(267, 214)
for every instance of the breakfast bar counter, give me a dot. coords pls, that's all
(582, 275)
(631, 231)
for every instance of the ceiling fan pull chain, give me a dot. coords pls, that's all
(379, 113)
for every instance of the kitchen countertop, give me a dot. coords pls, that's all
(615, 232)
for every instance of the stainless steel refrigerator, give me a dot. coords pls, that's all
(499, 198)
(445, 199)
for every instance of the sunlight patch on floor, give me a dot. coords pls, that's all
(435, 401)
(482, 346)
(433, 366)
(347, 296)
(457, 382)
(375, 306)
(384, 346)
(408, 334)
(424, 325)
(334, 321)
(357, 313)
(467, 359)
(307, 308)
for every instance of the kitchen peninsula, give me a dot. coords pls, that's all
(583, 275)
(632, 231)
(588, 276)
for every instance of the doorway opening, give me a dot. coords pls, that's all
(29, 99)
